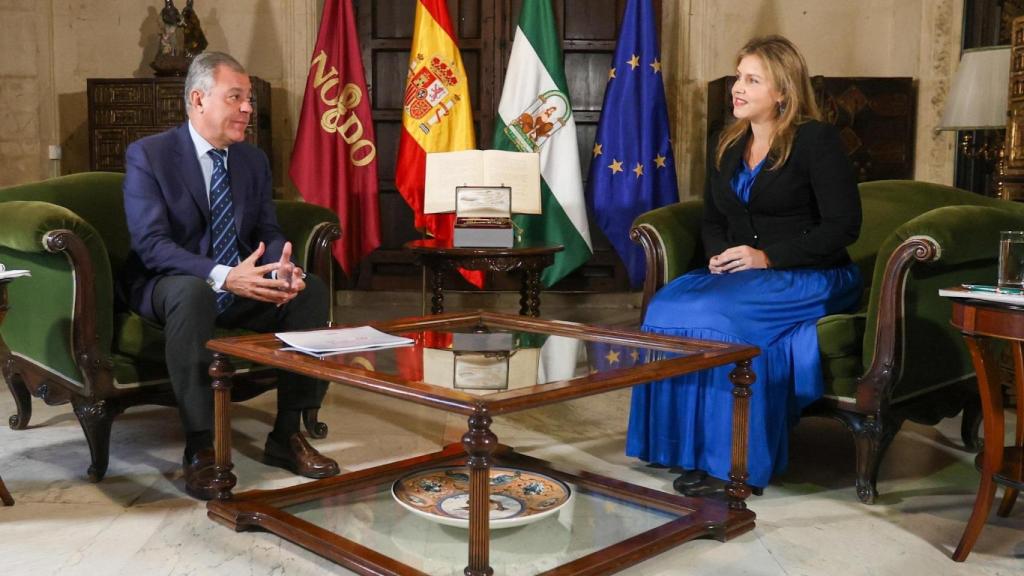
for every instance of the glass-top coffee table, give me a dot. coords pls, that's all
(483, 365)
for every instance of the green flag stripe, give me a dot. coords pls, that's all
(535, 20)
(552, 226)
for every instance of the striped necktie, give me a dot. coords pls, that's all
(222, 227)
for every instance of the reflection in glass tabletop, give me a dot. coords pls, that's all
(482, 364)
(590, 522)
(507, 363)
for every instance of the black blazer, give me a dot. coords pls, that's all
(802, 215)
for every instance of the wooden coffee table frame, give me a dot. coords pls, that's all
(479, 450)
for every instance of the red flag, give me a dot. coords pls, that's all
(334, 162)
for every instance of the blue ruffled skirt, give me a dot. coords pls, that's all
(687, 421)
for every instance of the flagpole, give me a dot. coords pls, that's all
(423, 281)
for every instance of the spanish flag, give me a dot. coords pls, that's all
(437, 115)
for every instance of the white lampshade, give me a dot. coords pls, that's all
(977, 100)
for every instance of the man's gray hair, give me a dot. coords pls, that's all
(200, 73)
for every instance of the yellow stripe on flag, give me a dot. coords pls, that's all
(437, 112)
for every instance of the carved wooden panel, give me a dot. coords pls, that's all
(875, 117)
(122, 110)
(1012, 180)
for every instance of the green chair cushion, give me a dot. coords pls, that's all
(143, 341)
(840, 340)
(129, 372)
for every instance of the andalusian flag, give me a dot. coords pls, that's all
(535, 116)
(437, 115)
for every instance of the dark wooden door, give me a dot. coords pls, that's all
(485, 29)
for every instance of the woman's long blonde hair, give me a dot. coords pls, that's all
(787, 72)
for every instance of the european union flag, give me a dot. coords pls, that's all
(632, 170)
(604, 356)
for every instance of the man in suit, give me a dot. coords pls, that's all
(207, 251)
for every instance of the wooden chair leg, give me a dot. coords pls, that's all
(96, 419)
(872, 438)
(5, 496)
(982, 505)
(1010, 496)
(1009, 499)
(314, 427)
(22, 401)
(970, 424)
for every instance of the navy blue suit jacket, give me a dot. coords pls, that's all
(168, 212)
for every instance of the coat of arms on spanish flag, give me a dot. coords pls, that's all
(437, 115)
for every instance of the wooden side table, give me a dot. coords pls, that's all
(439, 256)
(982, 323)
(5, 496)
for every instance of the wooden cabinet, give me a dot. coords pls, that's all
(122, 110)
(875, 117)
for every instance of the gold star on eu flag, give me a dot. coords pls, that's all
(656, 65)
(634, 61)
(616, 166)
(659, 161)
(611, 73)
(597, 150)
(612, 357)
(639, 170)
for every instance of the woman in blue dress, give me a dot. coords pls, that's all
(780, 206)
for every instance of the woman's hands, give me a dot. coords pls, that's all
(738, 258)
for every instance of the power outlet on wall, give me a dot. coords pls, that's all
(54, 151)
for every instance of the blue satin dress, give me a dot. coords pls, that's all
(687, 421)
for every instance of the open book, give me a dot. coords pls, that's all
(448, 170)
(340, 340)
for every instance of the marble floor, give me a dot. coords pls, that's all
(139, 521)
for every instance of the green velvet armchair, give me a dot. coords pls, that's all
(64, 340)
(897, 357)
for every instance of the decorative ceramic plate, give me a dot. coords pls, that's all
(517, 496)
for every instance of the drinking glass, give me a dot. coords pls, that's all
(1011, 260)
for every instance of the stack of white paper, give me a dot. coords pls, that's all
(6, 274)
(340, 340)
(982, 292)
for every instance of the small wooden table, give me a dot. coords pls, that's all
(5, 496)
(614, 359)
(981, 324)
(439, 256)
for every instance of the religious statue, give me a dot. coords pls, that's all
(181, 40)
(195, 40)
(171, 18)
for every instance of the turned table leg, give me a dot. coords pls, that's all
(221, 371)
(737, 489)
(436, 272)
(480, 444)
(529, 292)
